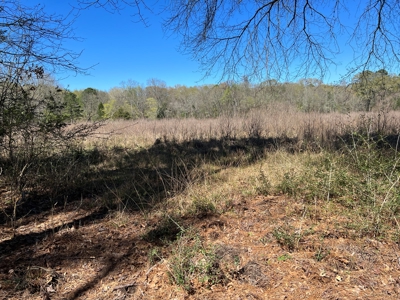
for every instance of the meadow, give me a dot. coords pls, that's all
(271, 204)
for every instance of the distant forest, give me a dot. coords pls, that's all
(368, 91)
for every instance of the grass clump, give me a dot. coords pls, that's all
(264, 186)
(202, 206)
(287, 237)
(193, 263)
(167, 231)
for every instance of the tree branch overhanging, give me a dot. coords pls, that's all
(277, 38)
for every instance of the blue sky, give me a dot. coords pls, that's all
(119, 49)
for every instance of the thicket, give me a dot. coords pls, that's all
(36, 117)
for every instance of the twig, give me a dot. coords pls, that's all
(149, 270)
(124, 286)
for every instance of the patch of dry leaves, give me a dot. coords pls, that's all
(94, 255)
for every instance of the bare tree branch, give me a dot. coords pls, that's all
(113, 6)
(31, 33)
(283, 39)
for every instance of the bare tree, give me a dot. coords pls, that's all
(33, 121)
(31, 47)
(135, 96)
(32, 38)
(158, 90)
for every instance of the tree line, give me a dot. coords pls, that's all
(131, 100)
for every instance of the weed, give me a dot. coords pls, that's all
(289, 184)
(320, 254)
(202, 206)
(236, 260)
(264, 240)
(287, 237)
(264, 186)
(168, 230)
(154, 256)
(284, 257)
(191, 260)
(374, 164)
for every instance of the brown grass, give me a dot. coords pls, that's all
(319, 127)
(267, 206)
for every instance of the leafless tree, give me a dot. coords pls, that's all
(158, 90)
(31, 106)
(31, 47)
(31, 38)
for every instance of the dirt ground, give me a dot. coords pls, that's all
(267, 247)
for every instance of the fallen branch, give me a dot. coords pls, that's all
(124, 286)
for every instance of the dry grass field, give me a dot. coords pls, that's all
(274, 205)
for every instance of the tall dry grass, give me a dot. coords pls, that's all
(316, 127)
(144, 163)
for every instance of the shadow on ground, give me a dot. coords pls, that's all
(112, 179)
(118, 178)
(137, 178)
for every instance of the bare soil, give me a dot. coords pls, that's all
(267, 247)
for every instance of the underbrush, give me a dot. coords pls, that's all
(363, 177)
(192, 263)
(351, 159)
(351, 176)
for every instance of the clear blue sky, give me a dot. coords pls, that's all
(119, 49)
